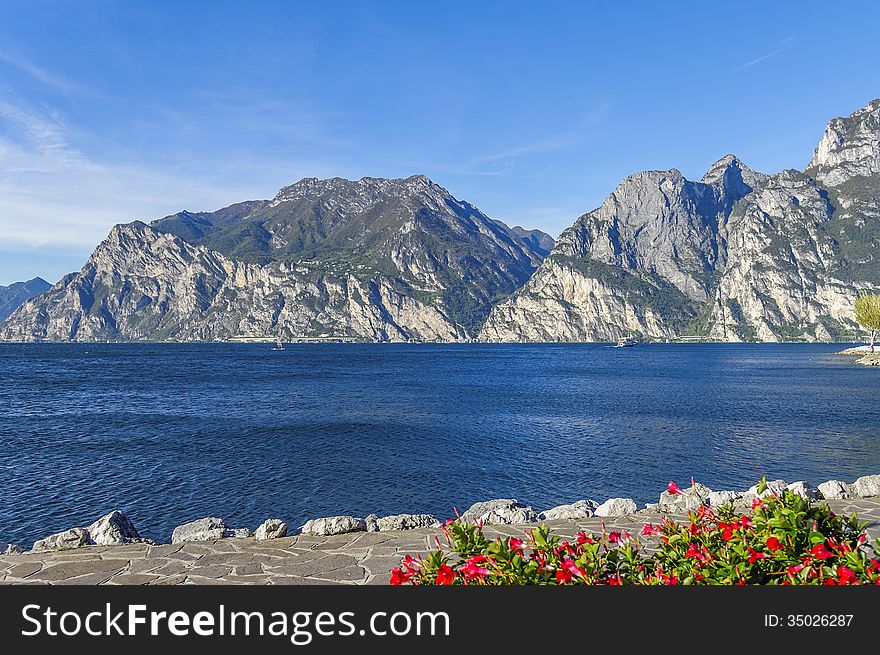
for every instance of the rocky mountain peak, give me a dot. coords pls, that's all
(850, 147)
(732, 178)
(366, 189)
(14, 295)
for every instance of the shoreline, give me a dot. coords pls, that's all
(357, 557)
(115, 529)
(855, 350)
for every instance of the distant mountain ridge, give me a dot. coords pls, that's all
(369, 259)
(12, 296)
(739, 255)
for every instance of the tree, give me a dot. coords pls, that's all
(868, 314)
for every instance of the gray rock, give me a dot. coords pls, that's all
(834, 490)
(803, 489)
(719, 498)
(271, 529)
(113, 529)
(372, 522)
(581, 509)
(407, 522)
(237, 533)
(9, 549)
(616, 507)
(692, 498)
(774, 487)
(502, 511)
(849, 148)
(73, 538)
(866, 486)
(330, 525)
(206, 529)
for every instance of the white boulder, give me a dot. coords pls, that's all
(113, 529)
(581, 509)
(616, 507)
(502, 511)
(330, 525)
(834, 490)
(407, 522)
(206, 529)
(803, 489)
(73, 538)
(866, 486)
(271, 529)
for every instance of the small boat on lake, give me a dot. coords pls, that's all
(279, 344)
(627, 342)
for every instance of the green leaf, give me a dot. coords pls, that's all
(762, 485)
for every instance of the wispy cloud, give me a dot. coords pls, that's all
(43, 145)
(784, 45)
(581, 132)
(38, 73)
(56, 196)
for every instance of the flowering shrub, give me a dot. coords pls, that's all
(785, 541)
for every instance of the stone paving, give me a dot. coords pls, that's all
(355, 558)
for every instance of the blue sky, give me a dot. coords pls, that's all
(115, 111)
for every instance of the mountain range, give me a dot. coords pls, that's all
(12, 296)
(738, 255)
(372, 259)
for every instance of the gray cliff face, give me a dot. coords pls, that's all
(849, 148)
(739, 255)
(372, 259)
(12, 296)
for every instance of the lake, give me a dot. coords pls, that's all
(173, 432)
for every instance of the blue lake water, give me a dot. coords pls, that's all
(171, 433)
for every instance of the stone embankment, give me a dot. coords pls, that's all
(353, 550)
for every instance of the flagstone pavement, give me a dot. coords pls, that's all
(355, 558)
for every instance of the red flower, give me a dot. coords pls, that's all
(794, 570)
(774, 544)
(727, 534)
(562, 577)
(614, 538)
(445, 575)
(846, 576)
(757, 502)
(754, 555)
(700, 553)
(398, 577)
(584, 539)
(674, 489)
(471, 569)
(649, 530)
(820, 552)
(573, 568)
